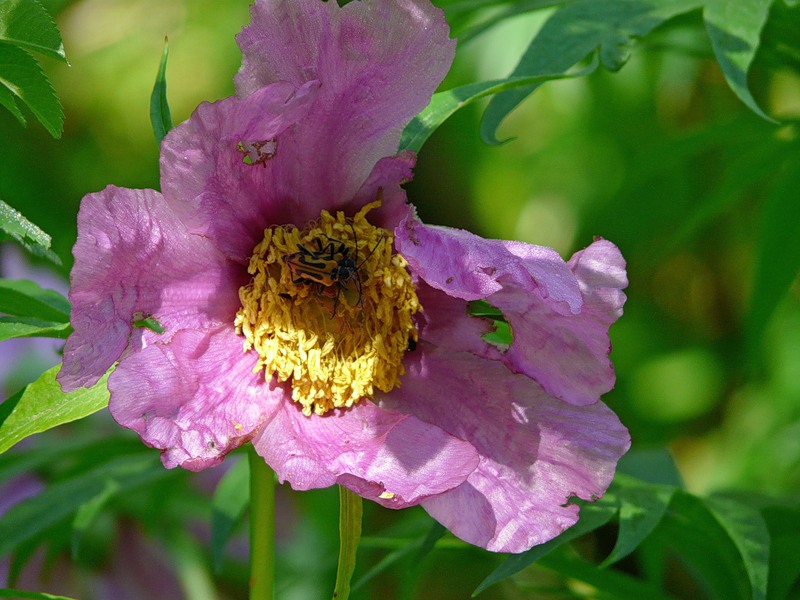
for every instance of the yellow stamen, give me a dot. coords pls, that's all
(329, 307)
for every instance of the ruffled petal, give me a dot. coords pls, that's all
(195, 398)
(384, 181)
(536, 452)
(559, 313)
(135, 259)
(203, 171)
(393, 459)
(378, 62)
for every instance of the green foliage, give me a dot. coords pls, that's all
(444, 104)
(613, 26)
(160, 115)
(228, 507)
(25, 26)
(8, 593)
(42, 405)
(34, 311)
(18, 228)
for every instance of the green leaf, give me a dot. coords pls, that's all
(228, 506)
(748, 531)
(516, 8)
(592, 516)
(434, 534)
(784, 557)
(734, 29)
(692, 531)
(22, 230)
(21, 75)
(33, 516)
(9, 593)
(444, 104)
(642, 506)
(571, 34)
(350, 512)
(87, 513)
(160, 116)
(23, 298)
(777, 251)
(25, 23)
(19, 327)
(42, 405)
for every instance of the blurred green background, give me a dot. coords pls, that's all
(660, 158)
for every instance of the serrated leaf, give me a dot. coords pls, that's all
(7, 100)
(9, 593)
(592, 516)
(13, 223)
(777, 250)
(230, 501)
(160, 115)
(31, 517)
(444, 104)
(642, 506)
(21, 327)
(42, 405)
(734, 29)
(748, 531)
(21, 75)
(24, 298)
(25, 23)
(571, 34)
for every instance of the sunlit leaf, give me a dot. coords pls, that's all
(20, 327)
(444, 104)
(23, 231)
(734, 29)
(592, 516)
(25, 23)
(748, 531)
(42, 405)
(160, 115)
(228, 506)
(22, 76)
(571, 34)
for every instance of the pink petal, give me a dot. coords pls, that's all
(536, 452)
(135, 259)
(203, 173)
(387, 176)
(559, 318)
(370, 450)
(378, 63)
(195, 398)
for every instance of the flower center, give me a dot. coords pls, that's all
(329, 307)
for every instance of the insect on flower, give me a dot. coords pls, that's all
(333, 267)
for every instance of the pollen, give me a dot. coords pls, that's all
(329, 308)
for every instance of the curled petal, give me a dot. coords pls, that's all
(378, 61)
(559, 313)
(135, 259)
(203, 171)
(195, 398)
(536, 452)
(394, 459)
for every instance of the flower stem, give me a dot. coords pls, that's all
(262, 529)
(350, 510)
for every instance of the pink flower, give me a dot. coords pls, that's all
(306, 308)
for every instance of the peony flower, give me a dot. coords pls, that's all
(306, 309)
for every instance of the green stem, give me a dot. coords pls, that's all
(262, 529)
(350, 510)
